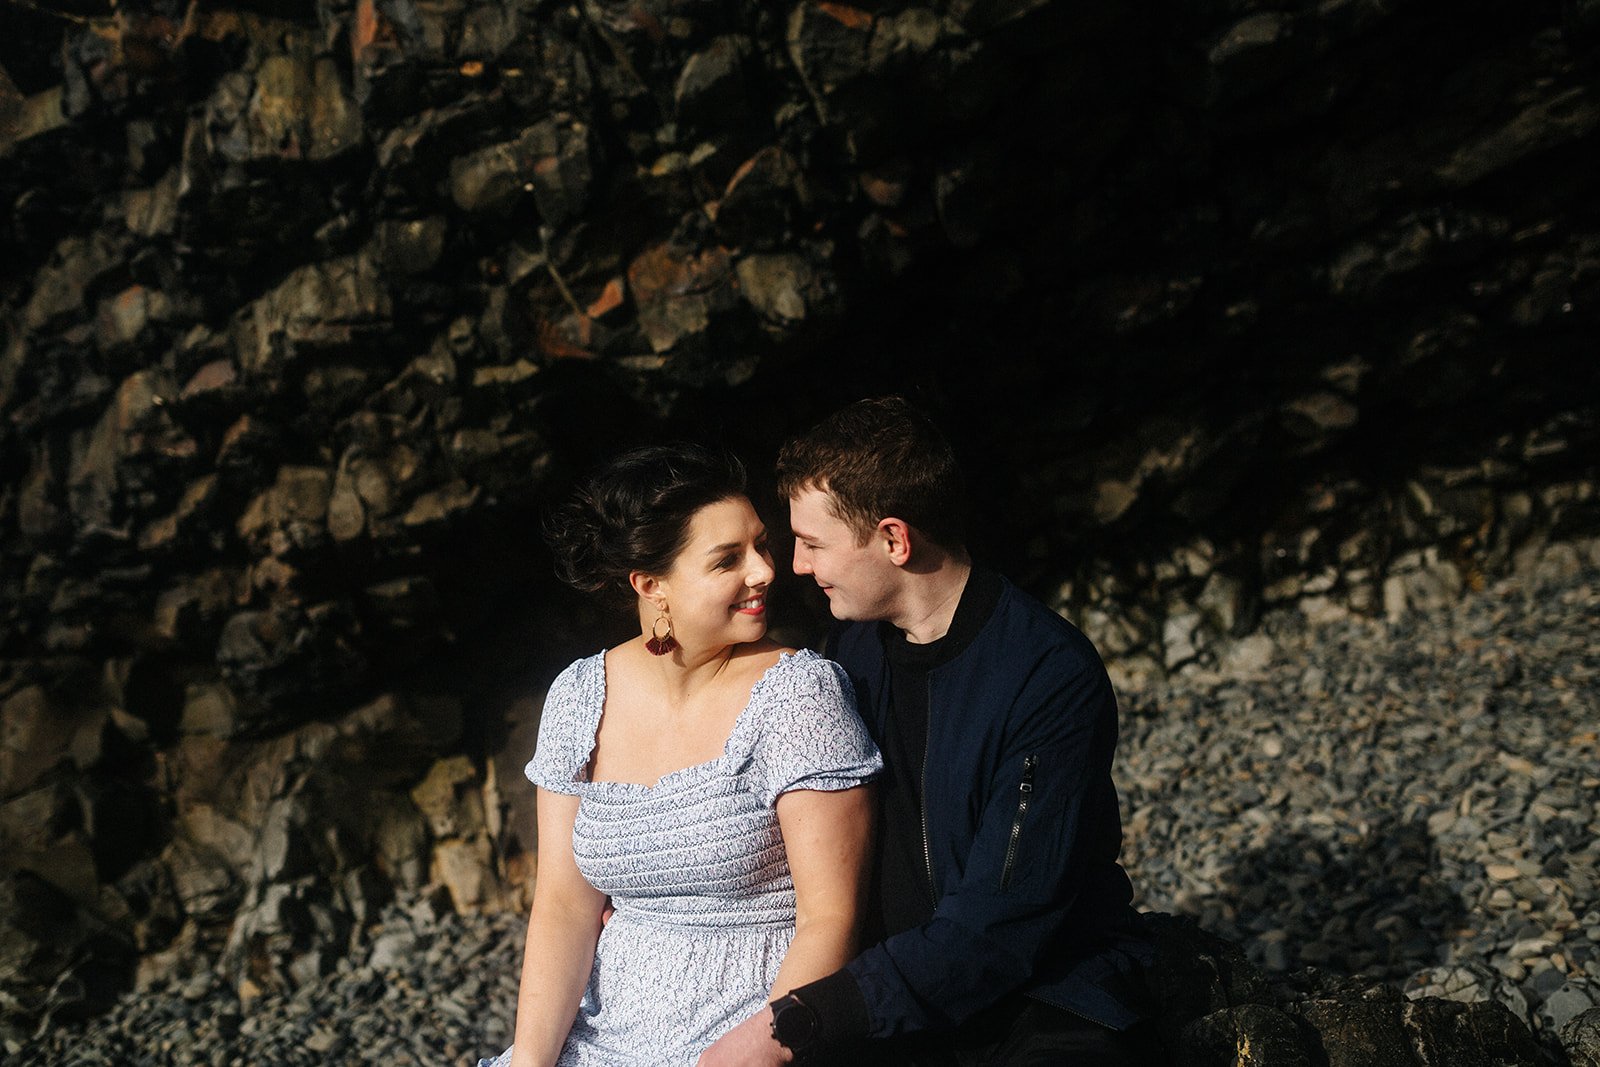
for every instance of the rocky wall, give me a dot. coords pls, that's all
(309, 309)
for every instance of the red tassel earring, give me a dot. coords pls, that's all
(660, 644)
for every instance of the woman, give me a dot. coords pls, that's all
(699, 779)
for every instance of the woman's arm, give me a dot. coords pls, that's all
(563, 927)
(826, 835)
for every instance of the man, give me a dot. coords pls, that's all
(1002, 919)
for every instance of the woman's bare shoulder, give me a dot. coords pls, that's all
(762, 655)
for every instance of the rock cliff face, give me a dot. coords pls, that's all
(308, 309)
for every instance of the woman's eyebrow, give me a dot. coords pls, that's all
(733, 544)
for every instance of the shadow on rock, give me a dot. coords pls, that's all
(1359, 898)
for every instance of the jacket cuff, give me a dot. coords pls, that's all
(840, 1008)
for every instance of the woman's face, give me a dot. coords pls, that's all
(716, 590)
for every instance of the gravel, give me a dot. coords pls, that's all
(1416, 801)
(420, 988)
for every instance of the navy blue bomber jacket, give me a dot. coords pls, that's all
(1022, 830)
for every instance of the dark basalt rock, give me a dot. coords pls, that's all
(1473, 1035)
(306, 312)
(1217, 1008)
(1245, 1036)
(1580, 1038)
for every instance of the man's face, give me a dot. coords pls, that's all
(859, 579)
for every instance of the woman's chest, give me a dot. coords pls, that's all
(703, 830)
(640, 742)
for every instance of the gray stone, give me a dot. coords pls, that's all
(289, 516)
(402, 845)
(283, 852)
(203, 881)
(1249, 655)
(1580, 1039)
(776, 286)
(34, 737)
(298, 108)
(554, 163)
(828, 51)
(1180, 638)
(1428, 589)
(1317, 414)
(1223, 599)
(153, 212)
(678, 294)
(1470, 983)
(318, 308)
(410, 246)
(1565, 1005)
(1557, 115)
(710, 91)
(449, 798)
(288, 659)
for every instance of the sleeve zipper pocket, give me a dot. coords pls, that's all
(1024, 794)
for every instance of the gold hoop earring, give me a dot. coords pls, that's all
(661, 643)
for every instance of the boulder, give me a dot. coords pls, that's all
(290, 659)
(1250, 1035)
(1580, 1039)
(319, 308)
(1445, 1033)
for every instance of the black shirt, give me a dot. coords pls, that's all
(902, 893)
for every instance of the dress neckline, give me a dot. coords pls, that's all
(598, 661)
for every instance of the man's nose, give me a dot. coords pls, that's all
(802, 564)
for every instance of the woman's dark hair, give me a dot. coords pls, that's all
(632, 514)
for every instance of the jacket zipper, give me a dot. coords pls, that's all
(1024, 794)
(927, 853)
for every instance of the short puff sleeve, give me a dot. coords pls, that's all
(567, 727)
(810, 736)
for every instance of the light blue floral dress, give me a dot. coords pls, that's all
(694, 865)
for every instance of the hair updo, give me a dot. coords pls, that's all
(632, 514)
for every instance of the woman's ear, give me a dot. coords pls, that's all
(895, 536)
(647, 587)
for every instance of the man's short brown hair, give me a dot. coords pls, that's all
(880, 458)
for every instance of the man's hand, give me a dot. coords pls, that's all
(750, 1044)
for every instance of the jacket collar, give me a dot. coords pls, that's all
(979, 598)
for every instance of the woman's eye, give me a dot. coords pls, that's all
(727, 561)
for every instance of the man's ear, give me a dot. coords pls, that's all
(895, 536)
